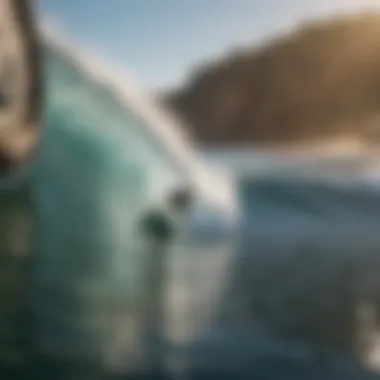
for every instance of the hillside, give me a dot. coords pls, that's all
(320, 81)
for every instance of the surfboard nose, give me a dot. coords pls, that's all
(20, 84)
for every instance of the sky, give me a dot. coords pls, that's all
(160, 42)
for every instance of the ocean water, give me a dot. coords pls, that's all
(307, 264)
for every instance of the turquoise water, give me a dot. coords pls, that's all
(84, 212)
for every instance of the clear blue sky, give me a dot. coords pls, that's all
(159, 41)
